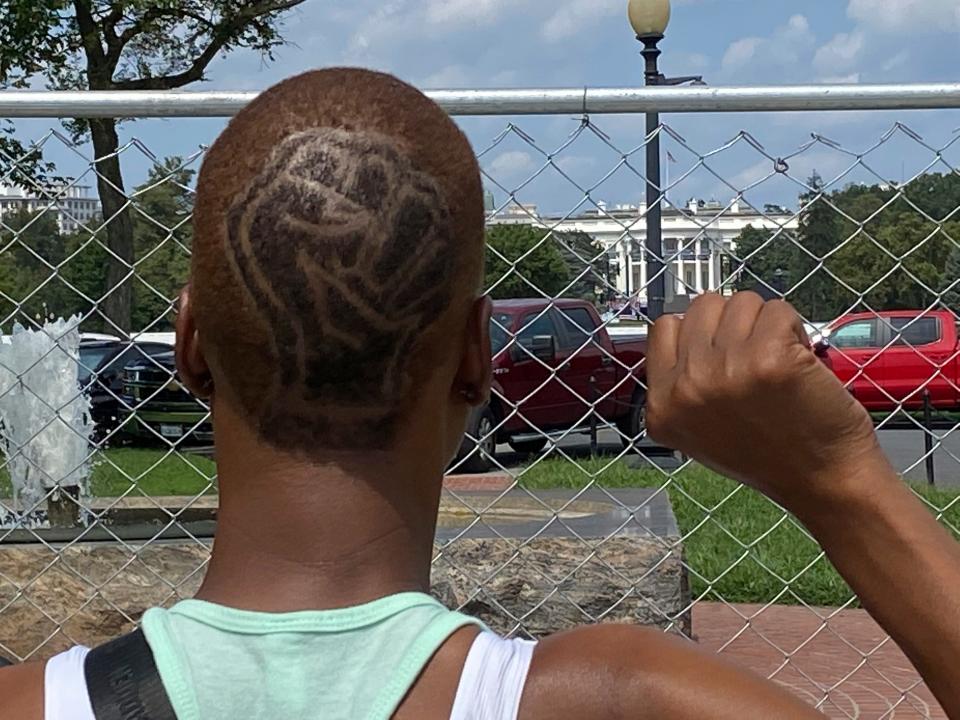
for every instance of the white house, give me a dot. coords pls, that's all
(695, 239)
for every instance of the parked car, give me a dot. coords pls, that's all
(553, 361)
(103, 359)
(160, 407)
(894, 358)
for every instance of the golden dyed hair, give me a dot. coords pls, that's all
(338, 246)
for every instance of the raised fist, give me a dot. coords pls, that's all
(735, 385)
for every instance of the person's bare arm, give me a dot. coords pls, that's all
(735, 386)
(21, 692)
(902, 564)
(617, 672)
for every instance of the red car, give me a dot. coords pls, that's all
(553, 361)
(893, 358)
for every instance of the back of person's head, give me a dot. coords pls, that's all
(338, 250)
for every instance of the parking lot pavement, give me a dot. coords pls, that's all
(904, 448)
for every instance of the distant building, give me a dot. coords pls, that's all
(73, 205)
(489, 202)
(696, 238)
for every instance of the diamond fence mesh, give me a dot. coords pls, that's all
(559, 510)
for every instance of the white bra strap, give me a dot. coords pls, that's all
(493, 679)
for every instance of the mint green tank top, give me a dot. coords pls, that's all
(357, 663)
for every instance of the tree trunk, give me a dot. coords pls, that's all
(117, 305)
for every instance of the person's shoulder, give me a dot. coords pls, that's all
(591, 672)
(613, 672)
(21, 691)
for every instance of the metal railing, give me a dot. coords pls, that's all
(528, 560)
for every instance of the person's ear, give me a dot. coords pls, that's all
(191, 365)
(472, 383)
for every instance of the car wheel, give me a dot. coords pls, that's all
(480, 444)
(633, 424)
(528, 447)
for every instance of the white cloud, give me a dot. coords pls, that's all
(849, 79)
(897, 16)
(463, 12)
(842, 54)
(511, 164)
(573, 16)
(377, 25)
(576, 164)
(452, 76)
(740, 53)
(898, 60)
(783, 49)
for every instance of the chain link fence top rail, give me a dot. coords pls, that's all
(575, 516)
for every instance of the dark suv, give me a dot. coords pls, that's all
(102, 362)
(160, 407)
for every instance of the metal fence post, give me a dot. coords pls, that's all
(928, 439)
(594, 445)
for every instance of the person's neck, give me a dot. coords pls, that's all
(294, 535)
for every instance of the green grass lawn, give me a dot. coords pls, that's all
(156, 472)
(739, 546)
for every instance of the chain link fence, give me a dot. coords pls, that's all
(558, 510)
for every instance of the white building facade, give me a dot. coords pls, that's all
(696, 239)
(73, 205)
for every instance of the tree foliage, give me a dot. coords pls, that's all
(163, 236)
(951, 297)
(588, 264)
(522, 262)
(862, 247)
(126, 45)
(45, 274)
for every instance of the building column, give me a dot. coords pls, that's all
(698, 247)
(627, 284)
(644, 279)
(679, 267)
(712, 270)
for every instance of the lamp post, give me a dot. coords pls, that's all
(649, 19)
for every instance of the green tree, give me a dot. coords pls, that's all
(817, 296)
(163, 236)
(587, 261)
(126, 45)
(760, 254)
(31, 251)
(951, 298)
(522, 262)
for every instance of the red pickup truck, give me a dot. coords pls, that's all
(893, 358)
(554, 364)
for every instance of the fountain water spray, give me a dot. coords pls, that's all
(46, 426)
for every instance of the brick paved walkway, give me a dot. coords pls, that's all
(830, 667)
(837, 660)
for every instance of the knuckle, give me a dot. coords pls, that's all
(706, 301)
(688, 394)
(769, 369)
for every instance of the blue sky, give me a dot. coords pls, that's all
(563, 43)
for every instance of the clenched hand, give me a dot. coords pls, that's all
(735, 386)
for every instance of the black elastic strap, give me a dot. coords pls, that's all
(123, 682)
(4, 662)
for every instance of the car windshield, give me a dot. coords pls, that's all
(90, 360)
(499, 337)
